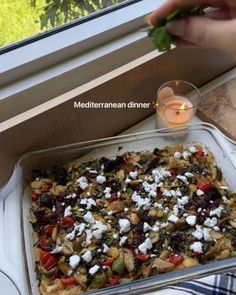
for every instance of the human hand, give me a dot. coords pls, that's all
(215, 29)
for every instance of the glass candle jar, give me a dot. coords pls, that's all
(177, 102)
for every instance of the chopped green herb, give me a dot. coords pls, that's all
(162, 38)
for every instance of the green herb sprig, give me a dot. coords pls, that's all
(161, 37)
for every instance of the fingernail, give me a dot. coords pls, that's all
(177, 27)
(147, 20)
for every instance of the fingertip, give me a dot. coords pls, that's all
(147, 20)
(152, 19)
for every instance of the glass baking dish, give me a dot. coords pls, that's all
(202, 133)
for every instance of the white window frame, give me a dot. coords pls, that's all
(102, 43)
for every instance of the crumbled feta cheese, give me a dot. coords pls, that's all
(183, 201)
(89, 237)
(56, 250)
(88, 202)
(196, 247)
(216, 228)
(105, 248)
(83, 182)
(94, 269)
(88, 217)
(157, 205)
(101, 179)
(167, 193)
(177, 155)
(73, 196)
(191, 220)
(53, 209)
(199, 209)
(150, 188)
(123, 240)
(146, 227)
(173, 218)
(124, 225)
(126, 209)
(206, 234)
(175, 210)
(74, 261)
(178, 193)
(133, 174)
(87, 256)
(107, 192)
(210, 222)
(192, 149)
(218, 211)
(115, 236)
(155, 228)
(198, 233)
(186, 155)
(146, 202)
(200, 193)
(225, 200)
(161, 173)
(188, 174)
(146, 245)
(127, 180)
(93, 171)
(183, 179)
(67, 211)
(100, 228)
(80, 228)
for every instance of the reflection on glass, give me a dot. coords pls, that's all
(21, 19)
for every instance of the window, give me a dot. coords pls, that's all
(22, 20)
(40, 68)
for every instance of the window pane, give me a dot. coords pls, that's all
(22, 19)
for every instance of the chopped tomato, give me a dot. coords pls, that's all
(49, 228)
(197, 254)
(204, 185)
(56, 274)
(114, 197)
(114, 280)
(68, 281)
(44, 243)
(199, 154)
(66, 221)
(176, 259)
(174, 171)
(142, 257)
(108, 262)
(34, 196)
(48, 260)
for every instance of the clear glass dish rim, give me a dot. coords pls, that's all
(90, 143)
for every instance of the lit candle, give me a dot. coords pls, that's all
(176, 111)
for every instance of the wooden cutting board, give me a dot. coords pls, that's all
(218, 107)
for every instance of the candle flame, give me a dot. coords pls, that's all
(182, 107)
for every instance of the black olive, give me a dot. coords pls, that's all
(110, 165)
(37, 173)
(156, 152)
(60, 175)
(176, 240)
(233, 242)
(46, 200)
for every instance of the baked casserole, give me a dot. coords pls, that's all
(103, 222)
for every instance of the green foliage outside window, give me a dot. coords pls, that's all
(20, 19)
